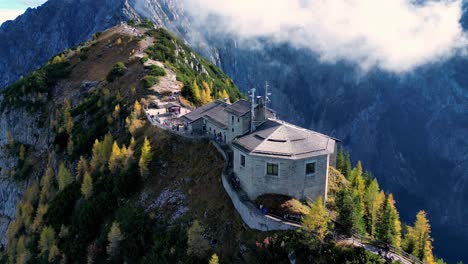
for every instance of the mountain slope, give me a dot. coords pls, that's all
(105, 186)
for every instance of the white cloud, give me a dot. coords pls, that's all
(395, 35)
(32, 3)
(9, 14)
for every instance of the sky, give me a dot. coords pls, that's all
(10, 9)
(393, 35)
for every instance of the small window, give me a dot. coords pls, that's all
(232, 118)
(210, 128)
(272, 169)
(310, 168)
(232, 129)
(238, 120)
(242, 160)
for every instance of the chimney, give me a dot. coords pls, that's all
(260, 111)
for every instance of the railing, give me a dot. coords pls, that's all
(382, 245)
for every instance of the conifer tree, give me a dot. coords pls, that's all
(116, 112)
(64, 177)
(23, 254)
(87, 185)
(38, 220)
(115, 158)
(316, 220)
(207, 96)
(358, 184)
(196, 91)
(27, 211)
(340, 160)
(106, 148)
(47, 240)
(81, 168)
(418, 240)
(203, 96)
(114, 237)
(373, 203)
(350, 212)
(145, 158)
(136, 110)
(388, 228)
(47, 186)
(96, 160)
(347, 166)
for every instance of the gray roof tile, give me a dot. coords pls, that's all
(280, 139)
(239, 108)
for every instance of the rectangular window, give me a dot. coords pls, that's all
(242, 160)
(272, 169)
(310, 168)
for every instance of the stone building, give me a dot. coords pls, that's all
(270, 156)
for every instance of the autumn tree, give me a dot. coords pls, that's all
(64, 176)
(87, 185)
(115, 159)
(196, 91)
(114, 238)
(22, 253)
(225, 95)
(47, 243)
(133, 121)
(101, 152)
(358, 184)
(316, 220)
(373, 200)
(418, 239)
(47, 186)
(214, 259)
(39, 218)
(197, 245)
(145, 158)
(81, 168)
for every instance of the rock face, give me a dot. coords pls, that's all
(410, 130)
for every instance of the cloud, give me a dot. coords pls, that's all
(394, 35)
(9, 14)
(32, 3)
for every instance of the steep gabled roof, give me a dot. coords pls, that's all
(280, 139)
(213, 111)
(239, 108)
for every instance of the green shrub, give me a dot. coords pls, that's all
(131, 23)
(117, 71)
(146, 23)
(155, 70)
(149, 81)
(144, 59)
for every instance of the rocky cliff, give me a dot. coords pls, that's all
(408, 129)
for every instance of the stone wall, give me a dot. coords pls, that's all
(251, 215)
(292, 179)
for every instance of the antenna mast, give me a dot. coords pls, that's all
(252, 117)
(267, 98)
